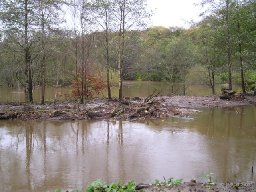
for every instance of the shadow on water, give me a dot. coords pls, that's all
(42, 156)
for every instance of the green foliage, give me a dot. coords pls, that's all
(210, 178)
(171, 182)
(210, 183)
(100, 186)
(57, 190)
(197, 75)
(138, 77)
(157, 53)
(97, 186)
(168, 54)
(223, 77)
(251, 80)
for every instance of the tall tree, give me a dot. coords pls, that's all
(224, 10)
(240, 47)
(211, 38)
(236, 19)
(103, 10)
(244, 36)
(228, 40)
(23, 20)
(48, 12)
(18, 18)
(130, 14)
(87, 37)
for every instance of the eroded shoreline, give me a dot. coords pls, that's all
(206, 187)
(129, 109)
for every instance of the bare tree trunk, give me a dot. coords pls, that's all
(213, 82)
(30, 84)
(107, 53)
(86, 50)
(76, 47)
(240, 51)
(76, 40)
(211, 73)
(228, 46)
(120, 72)
(28, 70)
(83, 77)
(121, 47)
(229, 68)
(184, 87)
(76, 55)
(242, 68)
(87, 40)
(43, 81)
(43, 64)
(28, 75)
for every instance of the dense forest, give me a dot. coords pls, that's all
(109, 41)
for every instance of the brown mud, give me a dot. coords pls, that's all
(193, 186)
(128, 109)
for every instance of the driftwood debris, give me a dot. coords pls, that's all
(141, 186)
(6, 116)
(152, 107)
(227, 94)
(151, 98)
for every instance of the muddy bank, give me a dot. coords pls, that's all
(205, 187)
(128, 109)
(172, 186)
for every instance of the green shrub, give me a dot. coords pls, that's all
(168, 182)
(97, 186)
(100, 186)
(251, 80)
(223, 77)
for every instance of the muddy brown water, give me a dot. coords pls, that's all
(45, 155)
(130, 89)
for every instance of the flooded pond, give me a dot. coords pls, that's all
(43, 156)
(130, 89)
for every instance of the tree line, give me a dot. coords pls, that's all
(109, 41)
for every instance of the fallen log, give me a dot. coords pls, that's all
(151, 98)
(7, 116)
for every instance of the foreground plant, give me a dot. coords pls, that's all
(130, 186)
(100, 186)
(171, 182)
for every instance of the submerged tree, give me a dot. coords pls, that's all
(103, 15)
(48, 18)
(18, 18)
(223, 10)
(213, 56)
(129, 14)
(235, 22)
(244, 36)
(23, 21)
(85, 42)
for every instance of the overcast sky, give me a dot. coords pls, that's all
(167, 13)
(174, 13)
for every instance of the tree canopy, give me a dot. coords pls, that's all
(111, 38)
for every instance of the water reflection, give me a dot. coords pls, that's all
(41, 156)
(233, 130)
